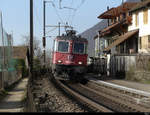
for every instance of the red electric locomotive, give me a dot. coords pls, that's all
(69, 59)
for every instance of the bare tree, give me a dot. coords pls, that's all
(48, 57)
(36, 45)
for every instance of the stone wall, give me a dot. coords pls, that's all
(131, 67)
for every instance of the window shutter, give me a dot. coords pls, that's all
(145, 16)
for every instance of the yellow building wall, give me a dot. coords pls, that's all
(144, 42)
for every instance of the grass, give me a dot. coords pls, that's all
(146, 82)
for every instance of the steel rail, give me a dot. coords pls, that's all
(84, 99)
(130, 103)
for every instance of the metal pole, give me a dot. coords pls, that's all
(44, 34)
(59, 29)
(31, 38)
(3, 64)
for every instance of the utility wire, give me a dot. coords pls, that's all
(78, 7)
(69, 14)
(37, 19)
(51, 30)
(57, 12)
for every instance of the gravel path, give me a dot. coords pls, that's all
(13, 101)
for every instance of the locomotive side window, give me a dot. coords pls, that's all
(63, 46)
(78, 48)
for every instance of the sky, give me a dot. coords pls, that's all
(81, 14)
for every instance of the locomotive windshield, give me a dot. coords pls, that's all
(63, 46)
(79, 48)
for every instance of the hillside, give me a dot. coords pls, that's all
(91, 33)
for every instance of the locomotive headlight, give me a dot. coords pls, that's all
(80, 63)
(59, 61)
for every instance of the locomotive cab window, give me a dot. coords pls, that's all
(79, 48)
(63, 46)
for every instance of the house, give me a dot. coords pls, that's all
(141, 21)
(21, 52)
(128, 40)
(100, 44)
(116, 34)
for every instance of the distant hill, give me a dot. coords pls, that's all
(91, 33)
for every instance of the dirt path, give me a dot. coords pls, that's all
(13, 101)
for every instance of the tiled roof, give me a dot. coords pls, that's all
(111, 27)
(140, 5)
(113, 12)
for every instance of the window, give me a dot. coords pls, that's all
(145, 16)
(63, 46)
(124, 15)
(136, 19)
(79, 48)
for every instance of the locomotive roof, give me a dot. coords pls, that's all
(74, 38)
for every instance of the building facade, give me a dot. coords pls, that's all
(100, 44)
(141, 20)
(116, 35)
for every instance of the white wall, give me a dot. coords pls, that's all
(144, 30)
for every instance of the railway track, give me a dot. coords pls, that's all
(123, 100)
(106, 97)
(88, 102)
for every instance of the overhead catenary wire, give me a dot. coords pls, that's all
(69, 14)
(70, 8)
(71, 17)
(78, 7)
(51, 30)
(37, 16)
(57, 12)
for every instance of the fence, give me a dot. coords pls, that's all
(99, 65)
(132, 67)
(7, 69)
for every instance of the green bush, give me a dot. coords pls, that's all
(36, 64)
(20, 66)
